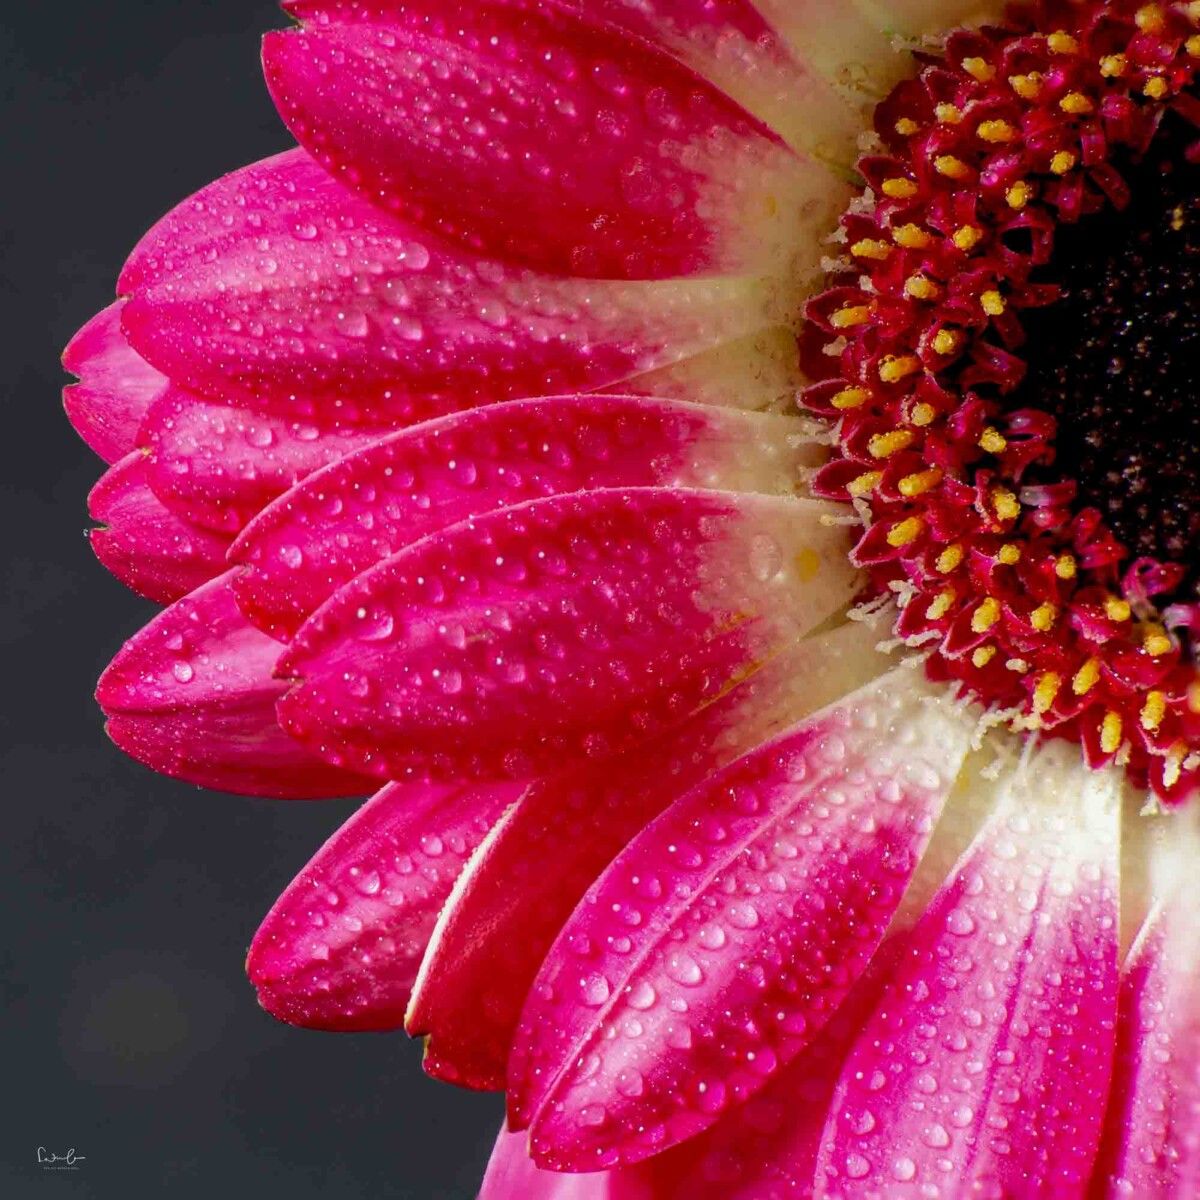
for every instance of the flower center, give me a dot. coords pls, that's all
(1114, 359)
(1007, 342)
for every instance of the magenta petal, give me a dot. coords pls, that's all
(371, 505)
(116, 386)
(564, 629)
(191, 695)
(1153, 1133)
(218, 465)
(550, 848)
(726, 934)
(148, 548)
(279, 287)
(341, 947)
(766, 1147)
(540, 136)
(989, 1056)
(511, 1175)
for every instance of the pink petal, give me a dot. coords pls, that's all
(116, 385)
(568, 628)
(191, 695)
(367, 507)
(543, 137)
(550, 848)
(730, 43)
(218, 465)
(722, 939)
(148, 548)
(341, 947)
(759, 373)
(1153, 1125)
(511, 1175)
(766, 1148)
(983, 1069)
(278, 286)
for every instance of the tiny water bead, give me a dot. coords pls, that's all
(1114, 359)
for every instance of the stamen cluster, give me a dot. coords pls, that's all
(1028, 600)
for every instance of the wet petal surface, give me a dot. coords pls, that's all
(341, 947)
(560, 630)
(376, 502)
(722, 939)
(148, 548)
(191, 695)
(981, 1069)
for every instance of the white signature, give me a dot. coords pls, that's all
(59, 1161)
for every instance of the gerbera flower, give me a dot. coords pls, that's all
(778, 799)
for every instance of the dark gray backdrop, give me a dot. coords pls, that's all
(130, 1032)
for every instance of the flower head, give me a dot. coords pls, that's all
(777, 798)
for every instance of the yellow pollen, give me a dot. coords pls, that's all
(921, 288)
(950, 559)
(1116, 609)
(946, 341)
(851, 397)
(1062, 162)
(1149, 19)
(982, 656)
(1019, 194)
(1017, 665)
(1173, 766)
(867, 482)
(1191, 10)
(905, 532)
(893, 368)
(882, 445)
(911, 237)
(1061, 42)
(1076, 104)
(985, 616)
(1028, 86)
(967, 238)
(1046, 691)
(855, 314)
(1110, 732)
(1112, 66)
(992, 302)
(980, 69)
(1193, 697)
(1153, 711)
(948, 114)
(1065, 566)
(906, 127)
(1192, 45)
(993, 441)
(1086, 677)
(923, 414)
(951, 167)
(870, 248)
(920, 482)
(941, 604)
(1156, 88)
(1006, 505)
(899, 188)
(1009, 554)
(1043, 617)
(996, 131)
(1156, 642)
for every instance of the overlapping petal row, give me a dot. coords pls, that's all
(456, 442)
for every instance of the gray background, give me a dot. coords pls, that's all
(130, 1032)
